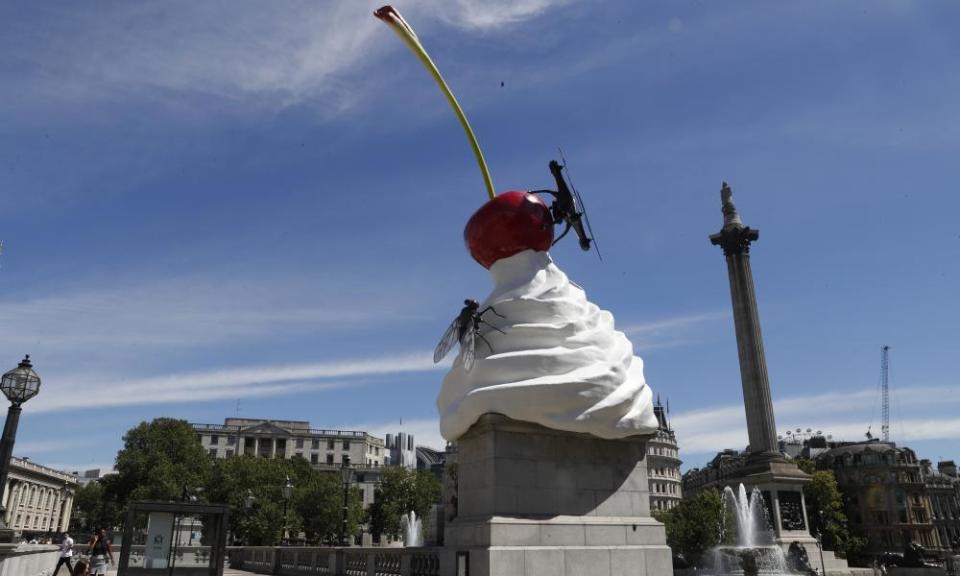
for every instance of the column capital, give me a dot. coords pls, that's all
(734, 237)
(735, 240)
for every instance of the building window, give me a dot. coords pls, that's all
(212, 452)
(300, 443)
(229, 453)
(346, 445)
(329, 458)
(231, 440)
(329, 443)
(214, 440)
(315, 444)
(314, 458)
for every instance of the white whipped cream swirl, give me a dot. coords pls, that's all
(559, 362)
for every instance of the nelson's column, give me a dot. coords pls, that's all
(763, 466)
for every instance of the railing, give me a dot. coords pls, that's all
(302, 561)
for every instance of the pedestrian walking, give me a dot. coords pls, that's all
(66, 554)
(100, 553)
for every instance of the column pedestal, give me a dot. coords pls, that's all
(532, 501)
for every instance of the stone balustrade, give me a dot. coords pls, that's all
(322, 561)
(28, 559)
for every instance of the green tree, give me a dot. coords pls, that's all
(253, 487)
(159, 459)
(826, 514)
(93, 509)
(401, 491)
(808, 466)
(693, 526)
(320, 503)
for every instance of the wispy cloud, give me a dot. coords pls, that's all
(673, 331)
(42, 446)
(183, 313)
(251, 381)
(234, 52)
(488, 14)
(845, 415)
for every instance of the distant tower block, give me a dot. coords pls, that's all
(401, 450)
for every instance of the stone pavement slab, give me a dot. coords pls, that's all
(226, 572)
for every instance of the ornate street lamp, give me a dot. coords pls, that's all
(347, 476)
(18, 385)
(287, 491)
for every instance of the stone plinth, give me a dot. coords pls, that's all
(532, 501)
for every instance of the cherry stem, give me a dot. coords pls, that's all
(395, 21)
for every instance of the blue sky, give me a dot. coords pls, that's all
(225, 208)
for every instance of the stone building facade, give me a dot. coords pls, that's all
(38, 500)
(718, 473)
(663, 464)
(884, 494)
(288, 439)
(943, 489)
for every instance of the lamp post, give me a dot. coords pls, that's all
(18, 385)
(823, 569)
(287, 491)
(345, 470)
(248, 502)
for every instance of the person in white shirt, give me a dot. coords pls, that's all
(66, 554)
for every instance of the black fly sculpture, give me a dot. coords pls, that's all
(568, 209)
(465, 329)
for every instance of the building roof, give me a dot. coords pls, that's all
(269, 427)
(902, 454)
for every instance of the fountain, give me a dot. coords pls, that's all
(751, 550)
(412, 529)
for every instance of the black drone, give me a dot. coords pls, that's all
(568, 208)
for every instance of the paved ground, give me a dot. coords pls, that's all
(226, 572)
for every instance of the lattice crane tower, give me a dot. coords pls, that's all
(885, 392)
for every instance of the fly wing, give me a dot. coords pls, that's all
(468, 347)
(448, 341)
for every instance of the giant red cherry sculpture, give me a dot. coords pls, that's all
(510, 223)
